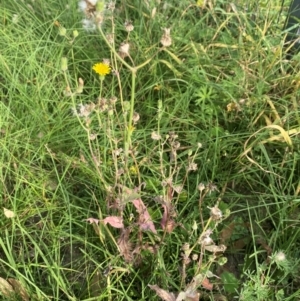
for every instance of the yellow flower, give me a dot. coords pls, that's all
(133, 170)
(101, 69)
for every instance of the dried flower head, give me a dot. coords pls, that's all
(124, 49)
(99, 18)
(201, 187)
(113, 100)
(80, 86)
(88, 25)
(117, 152)
(192, 166)
(102, 104)
(106, 62)
(172, 136)
(211, 187)
(195, 257)
(167, 182)
(110, 38)
(88, 7)
(128, 26)
(177, 188)
(206, 241)
(280, 256)
(155, 136)
(215, 213)
(84, 110)
(175, 145)
(111, 5)
(185, 247)
(136, 117)
(166, 39)
(205, 238)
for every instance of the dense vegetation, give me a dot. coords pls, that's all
(149, 151)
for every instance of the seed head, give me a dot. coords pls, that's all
(155, 136)
(192, 166)
(215, 213)
(166, 39)
(201, 187)
(128, 26)
(124, 49)
(135, 117)
(280, 256)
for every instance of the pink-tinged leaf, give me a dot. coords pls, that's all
(125, 246)
(167, 222)
(92, 220)
(145, 221)
(139, 205)
(164, 295)
(164, 219)
(114, 221)
(207, 285)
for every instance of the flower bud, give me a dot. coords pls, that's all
(64, 64)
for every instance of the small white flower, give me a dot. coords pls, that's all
(82, 5)
(93, 2)
(124, 49)
(166, 39)
(201, 187)
(215, 213)
(128, 26)
(280, 256)
(192, 166)
(155, 136)
(206, 241)
(88, 25)
(111, 5)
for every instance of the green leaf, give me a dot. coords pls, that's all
(230, 283)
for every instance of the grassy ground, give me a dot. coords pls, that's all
(169, 173)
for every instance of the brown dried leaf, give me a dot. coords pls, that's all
(114, 221)
(167, 222)
(125, 245)
(163, 294)
(19, 289)
(145, 221)
(6, 289)
(194, 284)
(165, 216)
(207, 285)
(128, 194)
(92, 220)
(226, 233)
(215, 248)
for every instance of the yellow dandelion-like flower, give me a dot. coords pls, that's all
(133, 170)
(102, 69)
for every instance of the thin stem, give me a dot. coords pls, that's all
(131, 111)
(113, 50)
